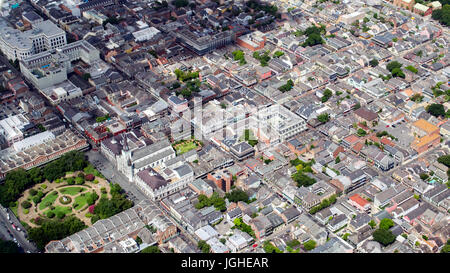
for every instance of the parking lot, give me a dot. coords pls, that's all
(399, 130)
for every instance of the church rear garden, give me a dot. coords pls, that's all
(184, 146)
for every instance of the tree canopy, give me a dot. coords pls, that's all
(303, 179)
(397, 72)
(203, 246)
(238, 55)
(55, 230)
(386, 223)
(442, 15)
(286, 87)
(392, 65)
(239, 224)
(373, 62)
(323, 117)
(263, 58)
(215, 200)
(151, 249)
(8, 247)
(326, 95)
(270, 248)
(313, 39)
(445, 159)
(109, 207)
(237, 195)
(436, 109)
(383, 236)
(18, 180)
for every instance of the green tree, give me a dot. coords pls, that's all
(360, 132)
(238, 55)
(286, 87)
(326, 95)
(55, 230)
(386, 223)
(323, 117)
(151, 249)
(109, 207)
(372, 224)
(278, 54)
(424, 176)
(416, 97)
(442, 15)
(203, 246)
(412, 69)
(392, 65)
(303, 180)
(26, 204)
(383, 236)
(445, 159)
(8, 247)
(138, 240)
(397, 72)
(86, 76)
(436, 109)
(92, 198)
(237, 195)
(270, 248)
(373, 62)
(313, 39)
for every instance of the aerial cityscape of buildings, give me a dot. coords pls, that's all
(225, 126)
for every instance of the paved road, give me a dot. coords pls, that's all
(113, 175)
(6, 227)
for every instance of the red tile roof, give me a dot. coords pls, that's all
(351, 139)
(359, 200)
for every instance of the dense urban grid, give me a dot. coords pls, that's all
(193, 126)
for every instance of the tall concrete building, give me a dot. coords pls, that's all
(48, 68)
(43, 36)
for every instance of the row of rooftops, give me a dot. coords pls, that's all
(112, 230)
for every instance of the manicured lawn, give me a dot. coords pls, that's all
(81, 201)
(185, 147)
(72, 190)
(48, 200)
(66, 210)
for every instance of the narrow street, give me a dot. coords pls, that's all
(7, 229)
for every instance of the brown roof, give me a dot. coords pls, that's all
(153, 179)
(366, 114)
